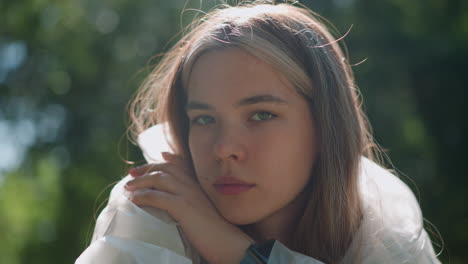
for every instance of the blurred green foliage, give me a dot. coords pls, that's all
(68, 69)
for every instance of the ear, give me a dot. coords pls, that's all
(155, 140)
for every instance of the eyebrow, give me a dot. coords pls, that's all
(263, 98)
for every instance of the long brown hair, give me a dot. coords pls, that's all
(295, 41)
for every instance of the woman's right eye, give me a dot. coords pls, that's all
(202, 120)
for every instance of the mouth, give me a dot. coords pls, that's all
(230, 185)
(233, 189)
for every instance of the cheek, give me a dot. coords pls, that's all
(290, 162)
(288, 170)
(199, 147)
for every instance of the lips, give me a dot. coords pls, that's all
(231, 186)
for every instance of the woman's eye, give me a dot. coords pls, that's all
(202, 120)
(262, 116)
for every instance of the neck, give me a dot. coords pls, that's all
(280, 225)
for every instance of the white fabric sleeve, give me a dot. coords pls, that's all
(392, 228)
(125, 233)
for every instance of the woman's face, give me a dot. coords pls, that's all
(248, 123)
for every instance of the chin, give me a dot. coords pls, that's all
(239, 218)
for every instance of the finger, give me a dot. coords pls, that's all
(173, 158)
(177, 160)
(181, 163)
(151, 167)
(176, 168)
(143, 169)
(157, 199)
(155, 180)
(167, 156)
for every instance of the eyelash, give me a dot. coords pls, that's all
(271, 116)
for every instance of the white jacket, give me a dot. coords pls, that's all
(391, 231)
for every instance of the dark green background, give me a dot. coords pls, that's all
(68, 69)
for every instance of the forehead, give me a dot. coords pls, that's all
(232, 74)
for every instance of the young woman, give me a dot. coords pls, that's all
(272, 156)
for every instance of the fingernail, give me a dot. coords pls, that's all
(134, 172)
(166, 155)
(131, 171)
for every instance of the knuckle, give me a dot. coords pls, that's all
(144, 197)
(154, 174)
(158, 177)
(149, 168)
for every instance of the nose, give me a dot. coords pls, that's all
(230, 145)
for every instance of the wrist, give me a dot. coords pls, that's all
(237, 250)
(244, 244)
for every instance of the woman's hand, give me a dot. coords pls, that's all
(171, 186)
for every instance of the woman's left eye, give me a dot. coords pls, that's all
(262, 116)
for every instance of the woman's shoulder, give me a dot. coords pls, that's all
(392, 225)
(388, 199)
